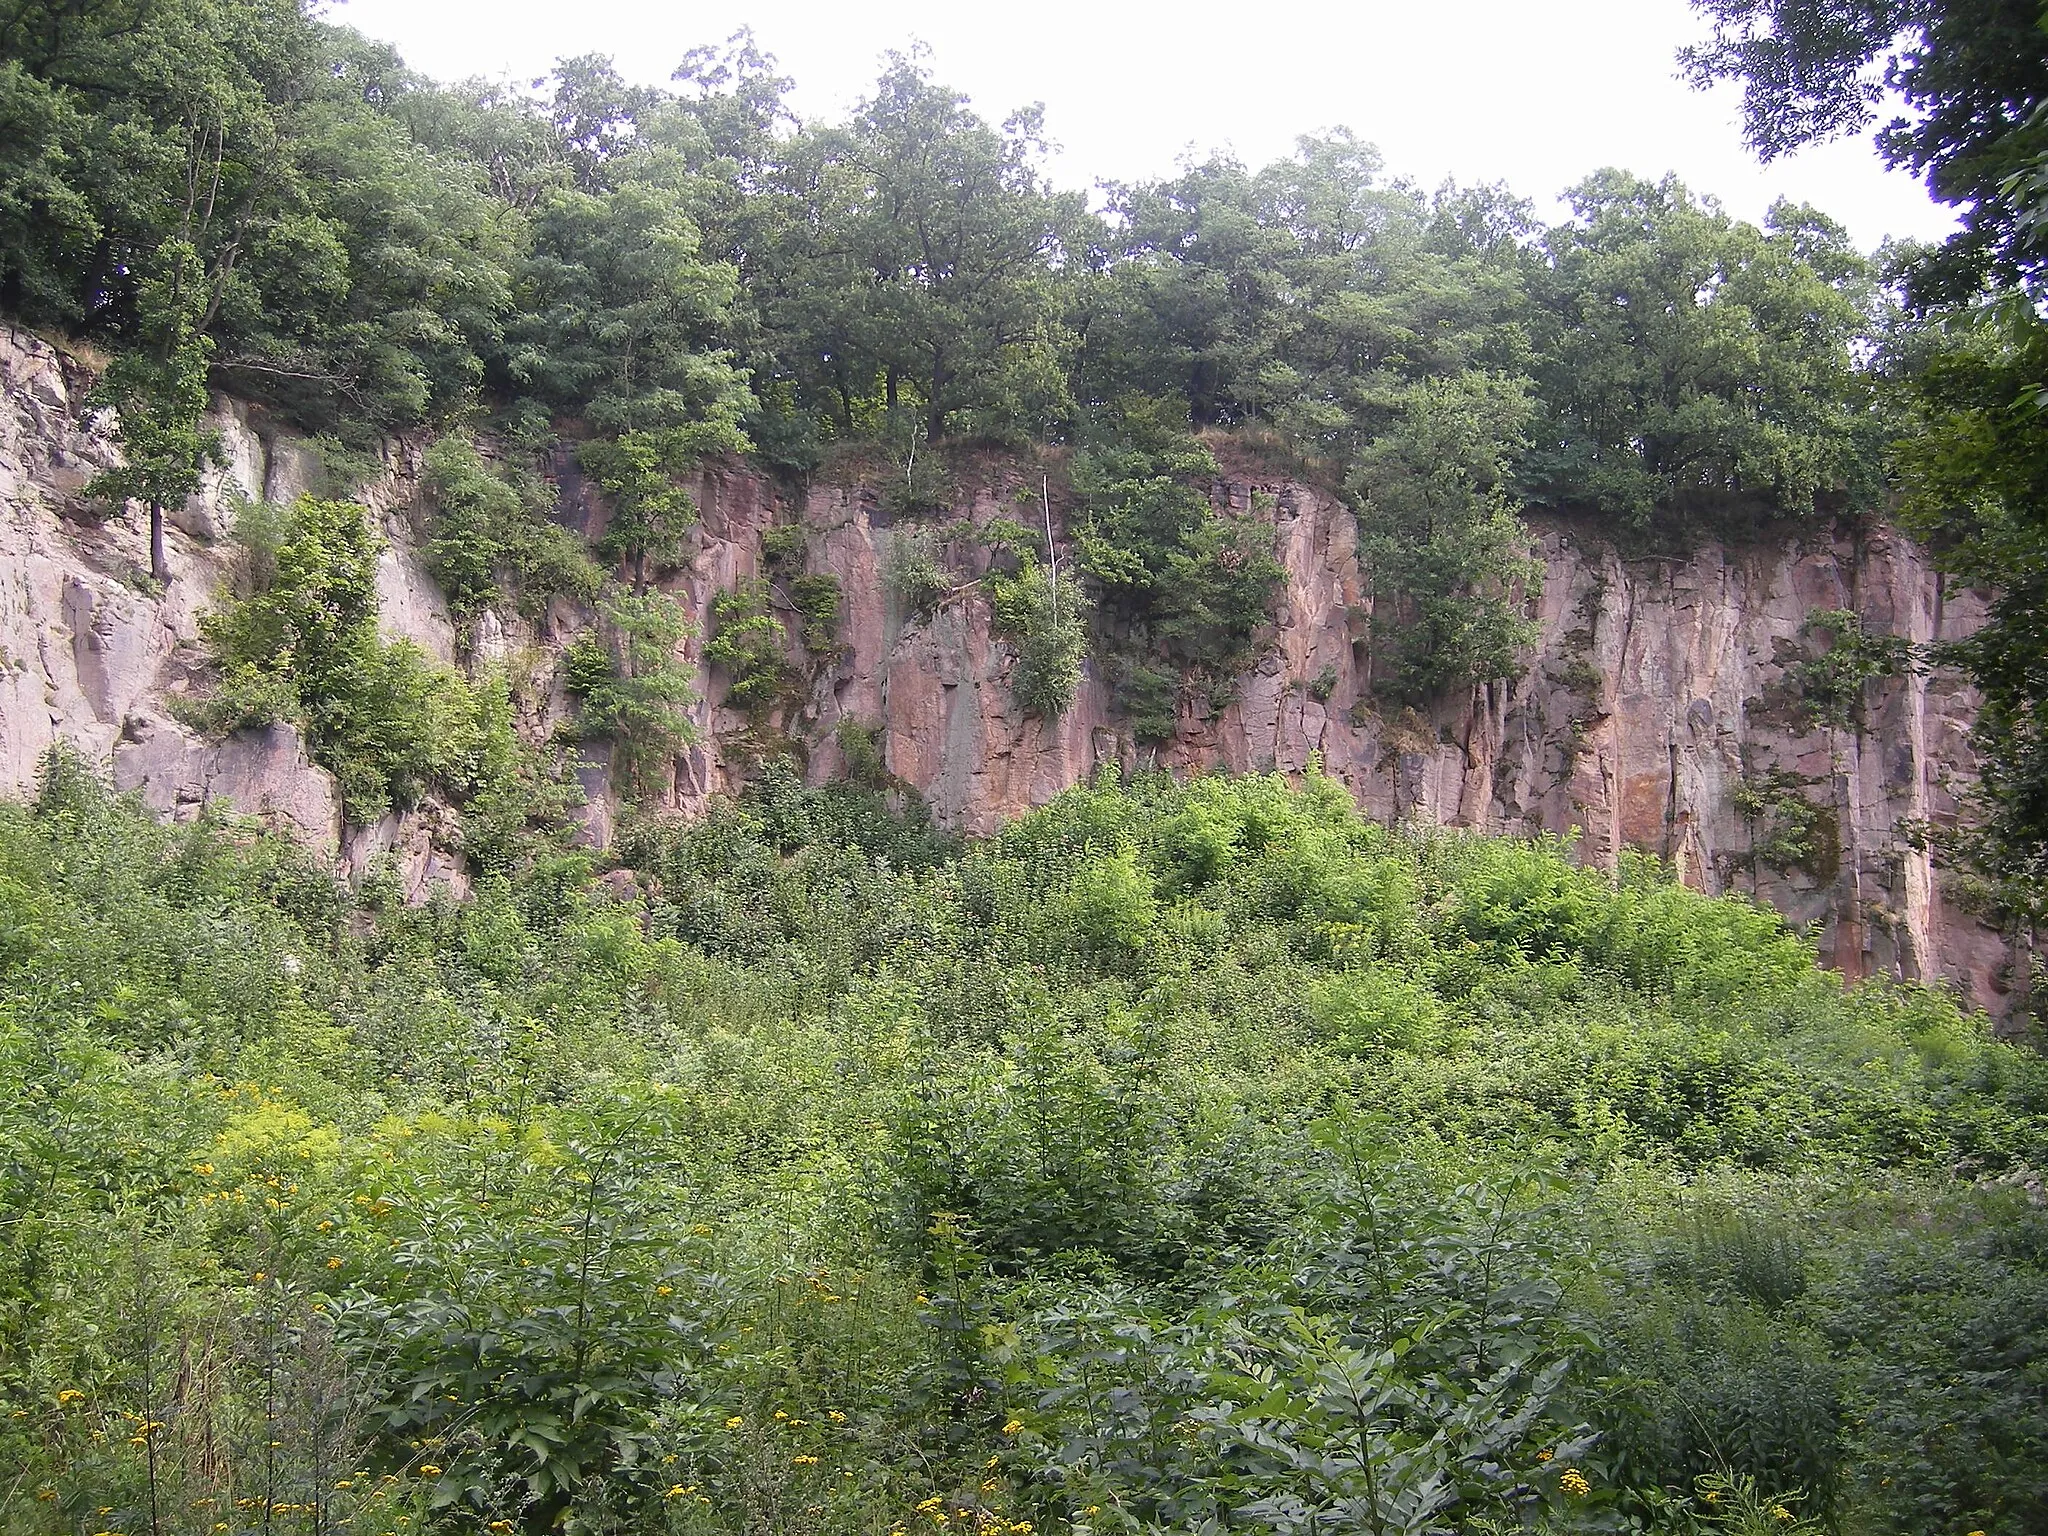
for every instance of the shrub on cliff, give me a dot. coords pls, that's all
(634, 691)
(489, 542)
(301, 646)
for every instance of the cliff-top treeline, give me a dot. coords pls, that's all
(365, 250)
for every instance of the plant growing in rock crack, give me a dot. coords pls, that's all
(1787, 829)
(915, 571)
(1828, 687)
(634, 690)
(1045, 618)
(748, 641)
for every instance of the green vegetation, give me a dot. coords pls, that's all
(650, 510)
(1046, 619)
(1188, 1156)
(664, 274)
(1787, 830)
(1450, 562)
(816, 600)
(748, 640)
(489, 538)
(1177, 582)
(1829, 687)
(1185, 1153)
(302, 647)
(158, 391)
(916, 571)
(862, 747)
(634, 690)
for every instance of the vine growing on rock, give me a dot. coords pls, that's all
(1788, 830)
(1449, 560)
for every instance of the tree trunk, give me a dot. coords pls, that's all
(159, 562)
(640, 571)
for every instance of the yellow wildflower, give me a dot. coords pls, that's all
(428, 1469)
(1015, 1426)
(1574, 1483)
(734, 1422)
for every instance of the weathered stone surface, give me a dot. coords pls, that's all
(1636, 721)
(1641, 712)
(412, 848)
(264, 774)
(92, 656)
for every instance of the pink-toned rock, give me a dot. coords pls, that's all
(412, 846)
(1634, 723)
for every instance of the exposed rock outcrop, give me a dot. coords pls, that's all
(1654, 694)
(91, 654)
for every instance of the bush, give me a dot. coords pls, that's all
(915, 573)
(1177, 584)
(489, 539)
(302, 647)
(747, 641)
(817, 604)
(1180, 1137)
(1045, 620)
(634, 689)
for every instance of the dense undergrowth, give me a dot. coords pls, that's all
(1187, 1157)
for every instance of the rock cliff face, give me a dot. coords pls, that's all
(1654, 714)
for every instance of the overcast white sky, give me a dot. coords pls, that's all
(1536, 93)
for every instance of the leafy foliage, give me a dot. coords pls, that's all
(1186, 1150)
(1046, 619)
(159, 394)
(1788, 830)
(748, 640)
(1173, 577)
(487, 538)
(1691, 363)
(1972, 76)
(634, 690)
(1449, 559)
(1830, 686)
